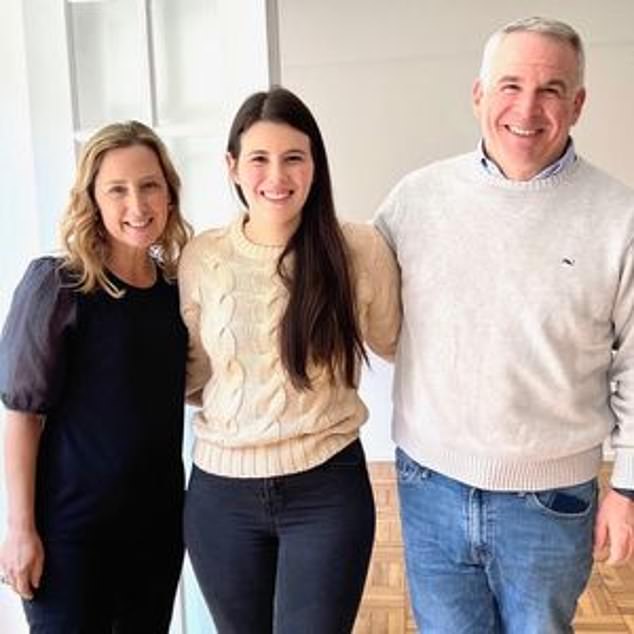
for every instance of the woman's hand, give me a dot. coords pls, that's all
(22, 561)
(21, 554)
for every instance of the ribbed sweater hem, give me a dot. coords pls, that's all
(492, 473)
(266, 462)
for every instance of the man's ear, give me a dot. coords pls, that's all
(477, 92)
(577, 104)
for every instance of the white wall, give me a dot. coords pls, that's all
(390, 82)
(18, 221)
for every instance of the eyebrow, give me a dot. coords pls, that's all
(553, 83)
(291, 151)
(123, 181)
(557, 83)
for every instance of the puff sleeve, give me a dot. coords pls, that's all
(33, 344)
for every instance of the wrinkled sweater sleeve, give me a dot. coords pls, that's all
(622, 375)
(198, 363)
(385, 217)
(378, 281)
(384, 311)
(34, 341)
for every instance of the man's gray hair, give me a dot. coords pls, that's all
(544, 26)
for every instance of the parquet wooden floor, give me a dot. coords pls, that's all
(606, 606)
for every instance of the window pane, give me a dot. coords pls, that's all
(109, 55)
(189, 62)
(207, 199)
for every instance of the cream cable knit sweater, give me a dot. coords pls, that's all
(252, 422)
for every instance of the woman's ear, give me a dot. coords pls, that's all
(232, 167)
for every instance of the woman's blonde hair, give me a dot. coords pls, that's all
(83, 235)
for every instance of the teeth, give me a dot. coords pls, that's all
(138, 225)
(273, 196)
(521, 131)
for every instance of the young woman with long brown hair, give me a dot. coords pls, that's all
(279, 515)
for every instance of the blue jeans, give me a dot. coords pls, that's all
(490, 562)
(285, 554)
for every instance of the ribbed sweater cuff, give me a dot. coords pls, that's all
(623, 471)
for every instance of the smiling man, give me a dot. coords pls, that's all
(516, 357)
(529, 94)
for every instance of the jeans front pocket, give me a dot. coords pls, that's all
(573, 502)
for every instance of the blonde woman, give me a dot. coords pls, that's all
(92, 372)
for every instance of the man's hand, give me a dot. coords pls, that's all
(614, 530)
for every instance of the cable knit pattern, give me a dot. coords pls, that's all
(252, 421)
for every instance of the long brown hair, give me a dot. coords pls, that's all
(83, 235)
(319, 325)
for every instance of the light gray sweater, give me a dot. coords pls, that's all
(516, 355)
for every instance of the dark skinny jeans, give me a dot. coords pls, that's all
(283, 554)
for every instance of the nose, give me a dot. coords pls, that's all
(136, 200)
(527, 103)
(277, 171)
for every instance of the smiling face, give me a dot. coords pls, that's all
(274, 170)
(528, 102)
(133, 199)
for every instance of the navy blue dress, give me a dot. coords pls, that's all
(108, 375)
